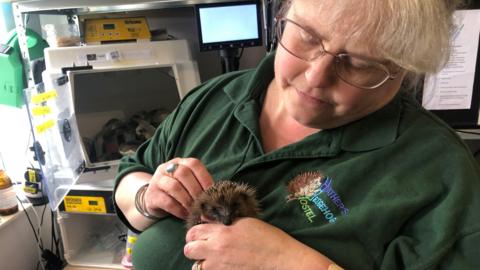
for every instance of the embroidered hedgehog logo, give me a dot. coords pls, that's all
(304, 185)
(308, 188)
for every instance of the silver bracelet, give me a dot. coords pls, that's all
(140, 202)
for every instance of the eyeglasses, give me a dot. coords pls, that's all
(354, 70)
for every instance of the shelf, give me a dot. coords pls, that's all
(5, 220)
(105, 6)
(92, 257)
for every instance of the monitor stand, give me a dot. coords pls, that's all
(230, 59)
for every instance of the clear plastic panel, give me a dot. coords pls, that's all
(57, 141)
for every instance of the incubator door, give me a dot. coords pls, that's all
(56, 139)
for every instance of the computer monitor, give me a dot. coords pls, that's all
(229, 25)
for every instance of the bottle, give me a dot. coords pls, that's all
(8, 199)
(127, 257)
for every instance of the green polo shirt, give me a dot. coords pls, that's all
(397, 189)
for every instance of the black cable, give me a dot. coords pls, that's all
(53, 232)
(30, 221)
(54, 235)
(51, 256)
(241, 53)
(43, 214)
(54, 238)
(41, 224)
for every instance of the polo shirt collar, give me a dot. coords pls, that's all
(253, 86)
(375, 130)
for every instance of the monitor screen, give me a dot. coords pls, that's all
(229, 25)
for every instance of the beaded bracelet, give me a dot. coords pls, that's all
(140, 202)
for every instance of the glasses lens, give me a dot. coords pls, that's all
(298, 41)
(307, 46)
(360, 72)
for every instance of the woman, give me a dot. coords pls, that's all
(349, 170)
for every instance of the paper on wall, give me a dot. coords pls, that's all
(452, 87)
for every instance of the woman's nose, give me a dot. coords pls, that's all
(320, 72)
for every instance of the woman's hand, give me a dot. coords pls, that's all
(174, 186)
(249, 244)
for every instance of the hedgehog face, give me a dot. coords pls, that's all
(223, 202)
(225, 208)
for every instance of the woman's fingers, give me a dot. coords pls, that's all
(199, 171)
(176, 190)
(175, 184)
(163, 202)
(185, 176)
(194, 250)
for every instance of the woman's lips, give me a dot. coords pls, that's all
(309, 98)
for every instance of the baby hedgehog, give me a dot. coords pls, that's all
(223, 202)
